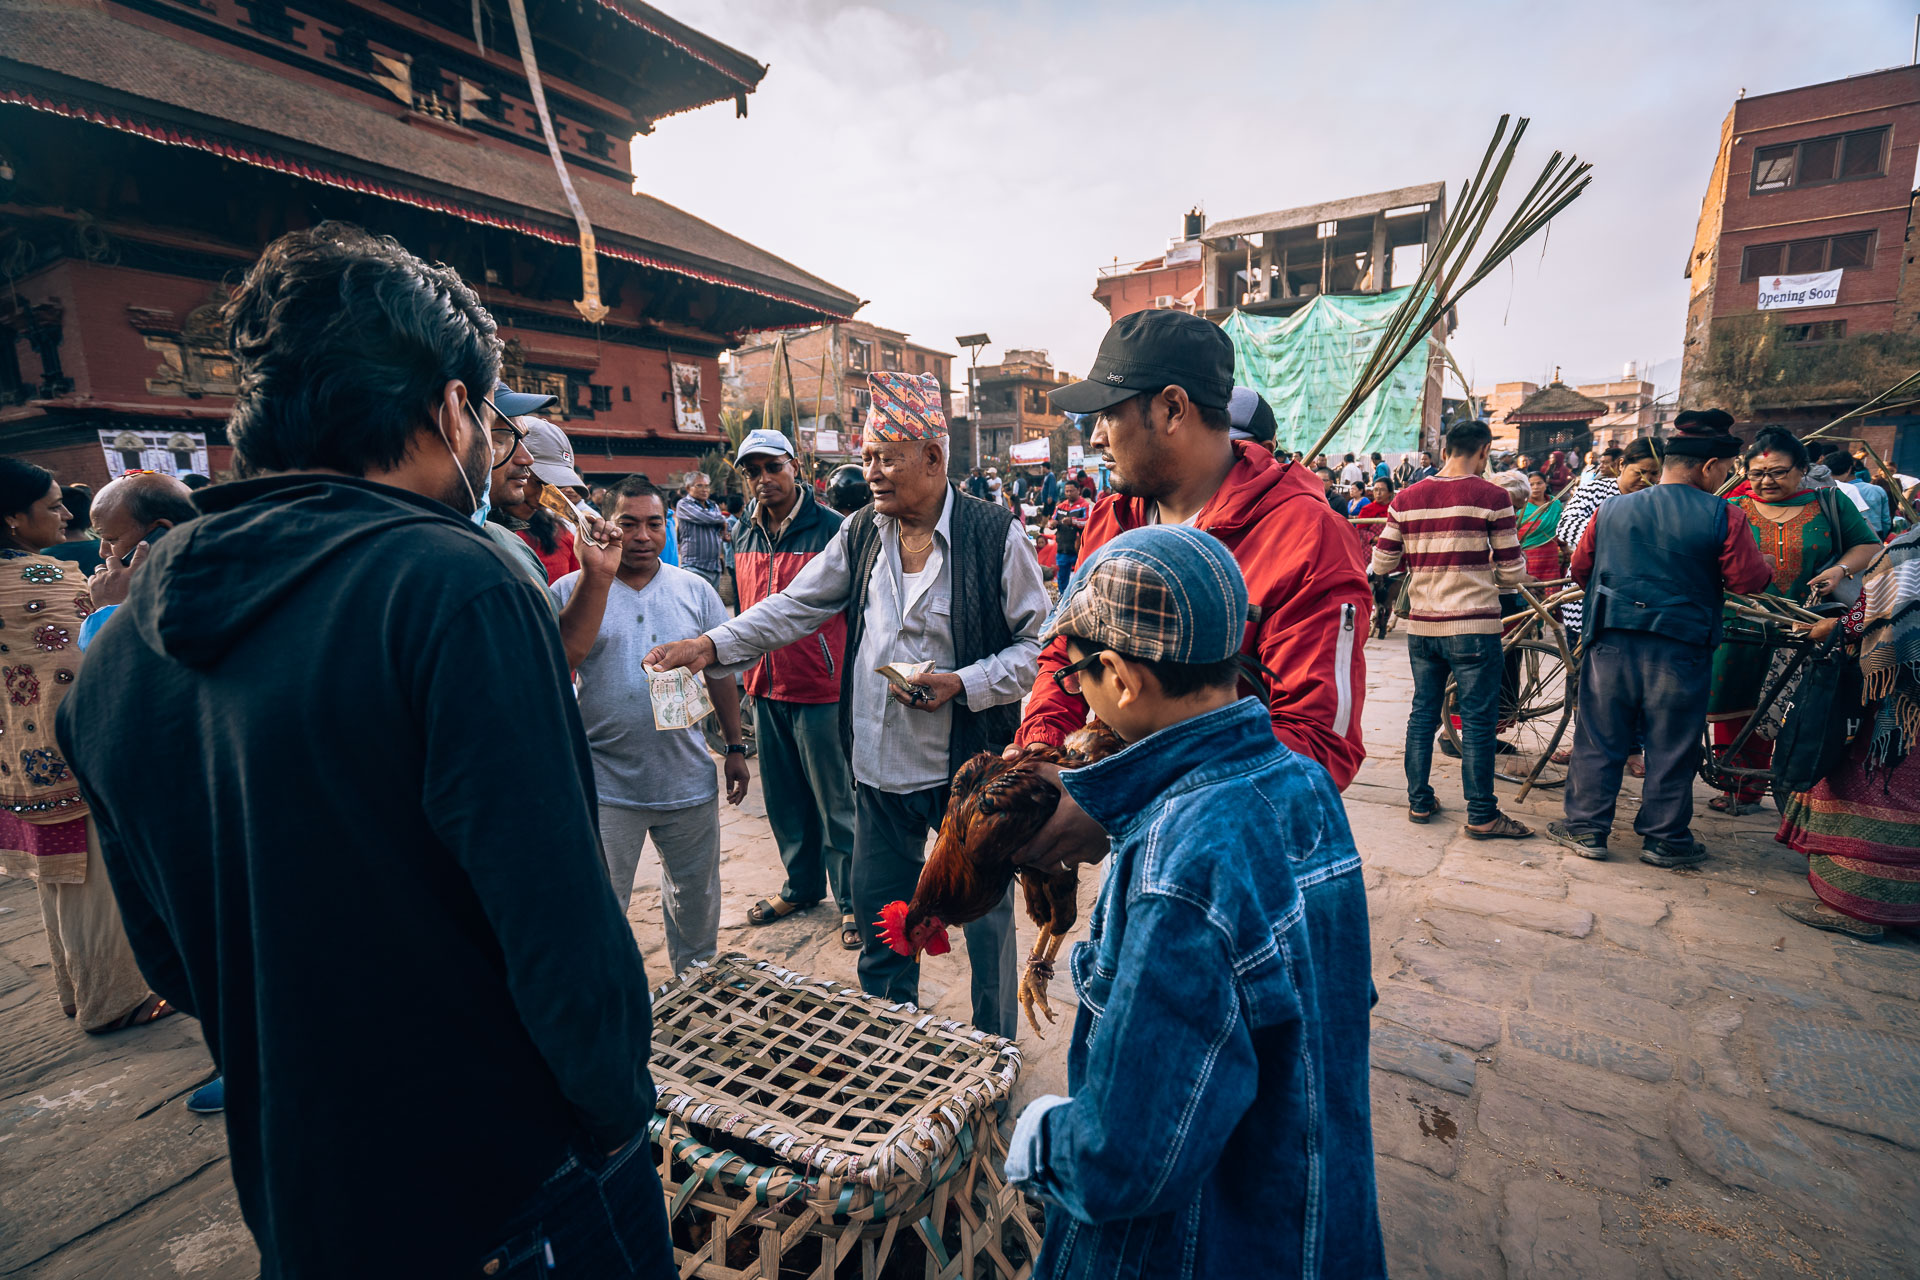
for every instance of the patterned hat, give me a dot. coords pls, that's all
(1167, 592)
(906, 406)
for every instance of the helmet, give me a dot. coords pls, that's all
(847, 490)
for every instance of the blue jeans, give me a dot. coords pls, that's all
(1475, 663)
(1638, 688)
(1063, 573)
(592, 1220)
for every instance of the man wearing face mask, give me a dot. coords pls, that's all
(328, 653)
(512, 475)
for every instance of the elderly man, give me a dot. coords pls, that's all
(702, 530)
(924, 575)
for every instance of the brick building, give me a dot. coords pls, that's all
(150, 148)
(1812, 188)
(829, 365)
(1013, 401)
(1170, 282)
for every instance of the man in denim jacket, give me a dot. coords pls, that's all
(1219, 1119)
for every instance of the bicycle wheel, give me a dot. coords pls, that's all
(1536, 704)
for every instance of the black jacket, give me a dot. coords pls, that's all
(347, 807)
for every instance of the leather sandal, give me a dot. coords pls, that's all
(1503, 828)
(767, 910)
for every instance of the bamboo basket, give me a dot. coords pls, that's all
(801, 1121)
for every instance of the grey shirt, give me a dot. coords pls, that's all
(895, 748)
(636, 766)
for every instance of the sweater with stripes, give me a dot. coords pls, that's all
(1454, 535)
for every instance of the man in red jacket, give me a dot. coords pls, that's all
(1158, 391)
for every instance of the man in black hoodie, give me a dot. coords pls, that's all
(442, 1070)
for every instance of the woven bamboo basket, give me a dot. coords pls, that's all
(801, 1121)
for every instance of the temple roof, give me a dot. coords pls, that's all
(84, 63)
(1557, 402)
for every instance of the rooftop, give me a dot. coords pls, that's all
(1557, 402)
(1330, 211)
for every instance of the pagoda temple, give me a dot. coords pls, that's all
(149, 149)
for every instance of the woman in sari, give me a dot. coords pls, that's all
(45, 833)
(1860, 825)
(1539, 518)
(1815, 540)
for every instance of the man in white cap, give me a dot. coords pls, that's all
(550, 461)
(796, 691)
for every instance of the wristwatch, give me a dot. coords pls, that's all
(736, 748)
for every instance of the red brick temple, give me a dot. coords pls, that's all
(150, 148)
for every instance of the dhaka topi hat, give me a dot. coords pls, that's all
(1149, 350)
(906, 406)
(1166, 592)
(552, 453)
(762, 440)
(1703, 433)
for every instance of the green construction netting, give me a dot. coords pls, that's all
(1305, 363)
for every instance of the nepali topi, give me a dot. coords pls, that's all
(906, 406)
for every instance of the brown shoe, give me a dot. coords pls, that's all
(1503, 828)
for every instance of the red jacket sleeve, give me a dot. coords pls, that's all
(1051, 714)
(1583, 553)
(1742, 567)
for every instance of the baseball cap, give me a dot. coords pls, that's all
(517, 404)
(763, 440)
(1250, 417)
(552, 453)
(1166, 592)
(1149, 350)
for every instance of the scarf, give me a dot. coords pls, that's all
(1800, 499)
(1890, 648)
(1537, 524)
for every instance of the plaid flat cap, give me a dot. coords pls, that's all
(1167, 592)
(906, 406)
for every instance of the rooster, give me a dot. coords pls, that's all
(998, 805)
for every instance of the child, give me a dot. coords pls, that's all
(1219, 1118)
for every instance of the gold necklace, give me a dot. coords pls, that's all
(912, 550)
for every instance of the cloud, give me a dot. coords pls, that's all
(970, 166)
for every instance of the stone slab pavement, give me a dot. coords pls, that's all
(1581, 1069)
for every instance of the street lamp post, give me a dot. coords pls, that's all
(973, 342)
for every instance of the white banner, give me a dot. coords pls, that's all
(686, 398)
(1778, 293)
(826, 442)
(1031, 452)
(1076, 456)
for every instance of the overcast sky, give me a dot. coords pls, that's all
(970, 166)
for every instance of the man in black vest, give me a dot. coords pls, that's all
(1655, 564)
(926, 574)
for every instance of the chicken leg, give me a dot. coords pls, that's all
(1039, 972)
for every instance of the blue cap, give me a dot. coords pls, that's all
(517, 404)
(1167, 592)
(763, 440)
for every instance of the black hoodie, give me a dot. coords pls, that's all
(346, 805)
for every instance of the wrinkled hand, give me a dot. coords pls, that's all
(692, 654)
(112, 581)
(1823, 583)
(1069, 839)
(944, 686)
(736, 770)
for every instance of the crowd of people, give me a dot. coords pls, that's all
(409, 642)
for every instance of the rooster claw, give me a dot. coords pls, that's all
(1033, 991)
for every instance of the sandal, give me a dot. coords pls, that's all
(767, 910)
(152, 1009)
(1503, 828)
(849, 933)
(1636, 766)
(1819, 915)
(1727, 804)
(1421, 816)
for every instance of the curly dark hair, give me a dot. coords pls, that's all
(344, 342)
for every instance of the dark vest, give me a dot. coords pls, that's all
(1656, 564)
(980, 627)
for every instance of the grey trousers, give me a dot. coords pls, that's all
(889, 847)
(1637, 687)
(808, 787)
(688, 842)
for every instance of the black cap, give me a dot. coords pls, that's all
(1149, 350)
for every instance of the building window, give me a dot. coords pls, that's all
(858, 402)
(270, 18)
(889, 357)
(1806, 335)
(599, 398)
(1839, 157)
(350, 49)
(1801, 257)
(859, 355)
(599, 144)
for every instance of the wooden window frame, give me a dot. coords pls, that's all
(1799, 145)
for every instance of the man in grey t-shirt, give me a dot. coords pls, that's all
(660, 782)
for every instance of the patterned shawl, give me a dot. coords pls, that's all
(1890, 648)
(42, 603)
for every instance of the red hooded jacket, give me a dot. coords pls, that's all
(1305, 574)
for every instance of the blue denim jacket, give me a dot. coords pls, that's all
(1219, 1060)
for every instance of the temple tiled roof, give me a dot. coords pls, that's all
(1557, 402)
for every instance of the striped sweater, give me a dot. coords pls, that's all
(1454, 535)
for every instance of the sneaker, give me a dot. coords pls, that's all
(1588, 844)
(1665, 853)
(1447, 748)
(210, 1098)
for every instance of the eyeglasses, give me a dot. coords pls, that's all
(1772, 473)
(1067, 678)
(505, 435)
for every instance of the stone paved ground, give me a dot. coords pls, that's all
(1581, 1069)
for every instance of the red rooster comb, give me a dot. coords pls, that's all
(893, 927)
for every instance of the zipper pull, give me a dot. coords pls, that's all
(1346, 617)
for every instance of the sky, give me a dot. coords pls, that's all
(969, 167)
